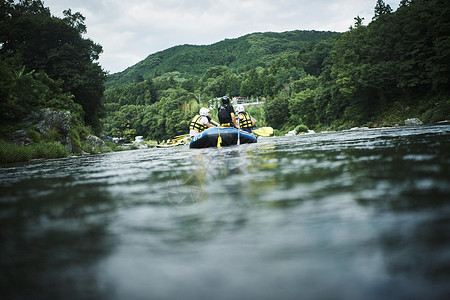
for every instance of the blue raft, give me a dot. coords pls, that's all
(229, 135)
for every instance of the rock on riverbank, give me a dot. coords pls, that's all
(45, 121)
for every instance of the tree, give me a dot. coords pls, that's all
(381, 8)
(358, 21)
(21, 93)
(277, 111)
(31, 37)
(406, 2)
(251, 86)
(301, 108)
(269, 86)
(75, 20)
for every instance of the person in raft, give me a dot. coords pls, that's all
(201, 122)
(211, 120)
(226, 114)
(246, 121)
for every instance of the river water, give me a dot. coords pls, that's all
(362, 214)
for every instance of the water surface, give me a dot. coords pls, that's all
(361, 214)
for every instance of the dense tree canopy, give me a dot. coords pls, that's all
(32, 38)
(404, 55)
(239, 55)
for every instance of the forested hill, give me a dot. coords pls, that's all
(240, 54)
(380, 74)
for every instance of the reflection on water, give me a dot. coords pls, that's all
(348, 215)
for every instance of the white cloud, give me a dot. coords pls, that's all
(130, 30)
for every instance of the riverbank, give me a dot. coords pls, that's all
(48, 133)
(12, 152)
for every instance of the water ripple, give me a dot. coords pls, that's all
(360, 214)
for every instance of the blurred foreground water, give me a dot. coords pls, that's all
(361, 214)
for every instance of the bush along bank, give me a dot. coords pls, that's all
(48, 133)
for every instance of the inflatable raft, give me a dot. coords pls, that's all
(229, 136)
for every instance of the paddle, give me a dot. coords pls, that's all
(219, 139)
(263, 131)
(181, 137)
(239, 136)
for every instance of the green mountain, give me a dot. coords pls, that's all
(240, 54)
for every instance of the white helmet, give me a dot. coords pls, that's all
(204, 111)
(240, 108)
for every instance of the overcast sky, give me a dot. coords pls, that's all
(130, 30)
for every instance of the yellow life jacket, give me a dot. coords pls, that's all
(246, 120)
(195, 124)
